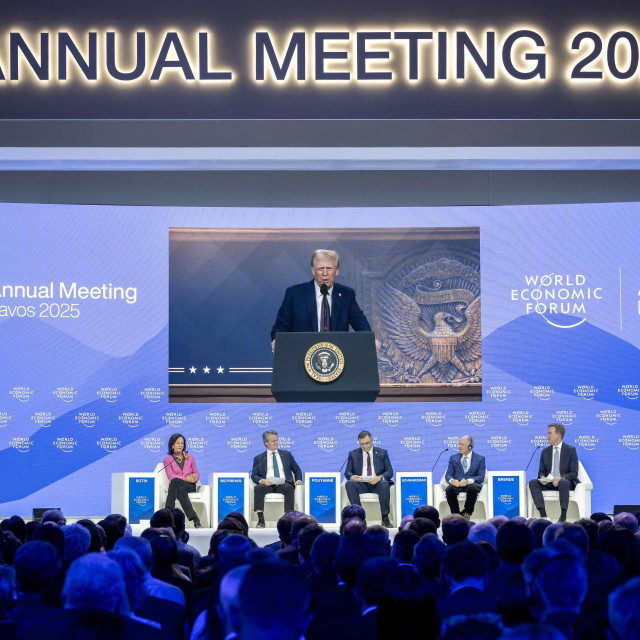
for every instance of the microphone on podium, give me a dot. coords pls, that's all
(438, 458)
(324, 290)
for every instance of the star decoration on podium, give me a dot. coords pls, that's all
(220, 369)
(192, 369)
(206, 369)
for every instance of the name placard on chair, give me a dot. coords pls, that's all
(132, 495)
(413, 488)
(230, 493)
(506, 493)
(322, 496)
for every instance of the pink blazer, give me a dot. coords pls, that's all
(174, 471)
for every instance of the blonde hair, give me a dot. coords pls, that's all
(325, 254)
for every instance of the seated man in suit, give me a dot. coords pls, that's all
(321, 304)
(466, 473)
(369, 461)
(274, 463)
(558, 471)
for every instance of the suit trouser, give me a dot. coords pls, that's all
(564, 486)
(180, 489)
(472, 491)
(286, 489)
(382, 488)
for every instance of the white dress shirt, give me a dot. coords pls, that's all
(319, 302)
(364, 464)
(270, 473)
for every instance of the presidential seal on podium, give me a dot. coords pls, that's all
(324, 362)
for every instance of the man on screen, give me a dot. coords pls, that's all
(369, 471)
(321, 304)
(466, 472)
(274, 471)
(558, 471)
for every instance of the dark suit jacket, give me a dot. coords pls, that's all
(381, 463)
(298, 311)
(291, 471)
(568, 463)
(476, 471)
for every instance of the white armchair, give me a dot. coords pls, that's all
(579, 499)
(201, 499)
(274, 506)
(371, 504)
(481, 508)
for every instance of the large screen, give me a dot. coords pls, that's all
(90, 295)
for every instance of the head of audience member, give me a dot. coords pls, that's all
(562, 584)
(17, 526)
(429, 512)
(600, 516)
(232, 552)
(112, 531)
(134, 574)
(162, 519)
(353, 511)
(259, 618)
(95, 582)
(30, 527)
(10, 544)
(537, 526)
(165, 552)
(238, 517)
(575, 534)
(96, 539)
(216, 538)
(514, 542)
(624, 612)
(353, 527)
(407, 606)
(498, 521)
(403, 546)
(491, 553)
(591, 529)
(483, 531)
(422, 526)
(353, 551)
(140, 546)
(179, 523)
(378, 536)
(479, 626)
(465, 565)
(454, 529)
(35, 564)
(54, 516)
(371, 580)
(299, 524)
(120, 521)
(307, 537)
(626, 520)
(231, 525)
(619, 542)
(428, 556)
(405, 522)
(323, 552)
(227, 604)
(284, 527)
(549, 534)
(53, 534)
(77, 541)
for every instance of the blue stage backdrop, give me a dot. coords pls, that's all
(84, 330)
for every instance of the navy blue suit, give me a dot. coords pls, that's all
(568, 472)
(290, 472)
(476, 472)
(298, 311)
(382, 467)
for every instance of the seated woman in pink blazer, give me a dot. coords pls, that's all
(182, 474)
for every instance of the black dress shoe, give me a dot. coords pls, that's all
(196, 523)
(260, 524)
(562, 518)
(386, 522)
